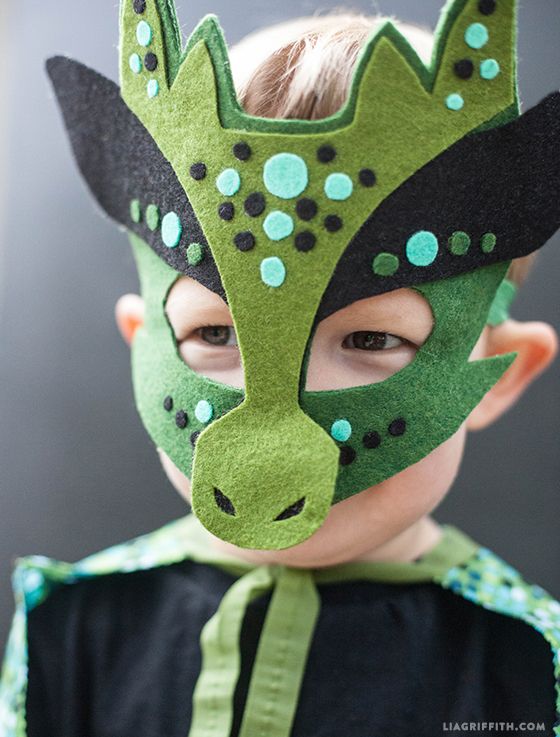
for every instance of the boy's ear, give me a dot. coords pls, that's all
(536, 345)
(129, 314)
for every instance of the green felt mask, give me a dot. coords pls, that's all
(423, 180)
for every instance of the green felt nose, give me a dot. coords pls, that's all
(263, 480)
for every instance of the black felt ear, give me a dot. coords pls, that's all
(125, 169)
(493, 196)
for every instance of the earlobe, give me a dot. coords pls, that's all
(129, 315)
(536, 345)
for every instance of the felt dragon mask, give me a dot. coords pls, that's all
(428, 178)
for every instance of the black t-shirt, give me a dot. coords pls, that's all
(119, 656)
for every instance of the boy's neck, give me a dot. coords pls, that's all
(415, 541)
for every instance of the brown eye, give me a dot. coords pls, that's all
(372, 341)
(218, 335)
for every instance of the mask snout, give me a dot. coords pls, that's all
(263, 481)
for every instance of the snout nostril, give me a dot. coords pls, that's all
(223, 502)
(292, 511)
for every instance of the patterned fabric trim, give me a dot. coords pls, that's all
(487, 580)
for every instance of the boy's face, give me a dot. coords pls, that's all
(364, 343)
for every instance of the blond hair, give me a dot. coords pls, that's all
(303, 69)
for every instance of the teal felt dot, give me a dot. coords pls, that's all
(144, 33)
(204, 411)
(153, 88)
(135, 63)
(135, 211)
(273, 271)
(476, 35)
(422, 248)
(152, 216)
(278, 225)
(489, 69)
(338, 186)
(454, 101)
(228, 182)
(171, 230)
(341, 430)
(285, 175)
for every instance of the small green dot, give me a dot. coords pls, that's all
(135, 211)
(152, 216)
(489, 69)
(455, 101)
(144, 33)
(459, 243)
(195, 254)
(385, 264)
(135, 63)
(488, 242)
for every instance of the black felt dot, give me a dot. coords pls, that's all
(245, 240)
(326, 154)
(464, 68)
(168, 404)
(194, 437)
(255, 204)
(306, 209)
(487, 7)
(198, 171)
(181, 419)
(367, 177)
(333, 223)
(305, 241)
(139, 6)
(397, 427)
(371, 440)
(226, 210)
(151, 62)
(347, 455)
(242, 151)
(223, 502)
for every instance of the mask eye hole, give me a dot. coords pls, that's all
(224, 503)
(204, 334)
(292, 511)
(369, 340)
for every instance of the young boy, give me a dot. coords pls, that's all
(323, 319)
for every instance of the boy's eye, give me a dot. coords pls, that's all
(218, 335)
(372, 341)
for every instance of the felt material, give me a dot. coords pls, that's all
(242, 151)
(305, 241)
(341, 430)
(489, 69)
(277, 440)
(306, 208)
(501, 186)
(255, 204)
(338, 186)
(131, 588)
(499, 309)
(121, 163)
(228, 182)
(150, 61)
(367, 177)
(326, 154)
(464, 68)
(278, 225)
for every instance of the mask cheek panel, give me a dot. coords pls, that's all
(383, 428)
(175, 403)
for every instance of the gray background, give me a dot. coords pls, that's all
(77, 471)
